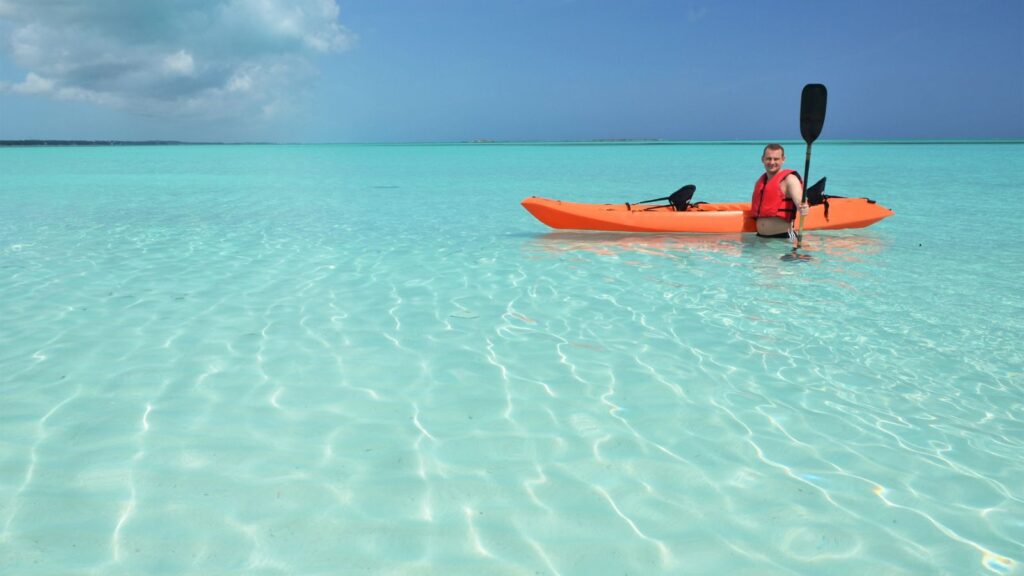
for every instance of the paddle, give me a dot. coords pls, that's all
(678, 198)
(813, 100)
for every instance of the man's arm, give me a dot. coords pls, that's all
(795, 190)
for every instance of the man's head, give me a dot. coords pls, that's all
(772, 158)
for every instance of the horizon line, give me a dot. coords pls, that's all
(71, 142)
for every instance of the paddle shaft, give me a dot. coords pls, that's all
(807, 172)
(807, 165)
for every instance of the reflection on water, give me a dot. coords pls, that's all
(656, 244)
(845, 246)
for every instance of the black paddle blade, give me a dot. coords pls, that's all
(812, 111)
(795, 256)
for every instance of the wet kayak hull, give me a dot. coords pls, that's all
(707, 218)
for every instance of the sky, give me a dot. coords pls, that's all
(459, 70)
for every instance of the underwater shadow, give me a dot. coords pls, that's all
(818, 244)
(641, 243)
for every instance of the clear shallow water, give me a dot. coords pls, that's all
(370, 359)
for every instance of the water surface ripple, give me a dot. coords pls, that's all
(344, 359)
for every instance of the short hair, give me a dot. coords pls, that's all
(774, 147)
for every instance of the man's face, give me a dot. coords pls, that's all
(772, 160)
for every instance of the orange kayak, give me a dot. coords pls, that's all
(703, 218)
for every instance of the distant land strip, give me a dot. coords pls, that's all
(112, 143)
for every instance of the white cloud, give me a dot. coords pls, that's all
(100, 98)
(209, 58)
(240, 82)
(33, 84)
(180, 63)
(312, 24)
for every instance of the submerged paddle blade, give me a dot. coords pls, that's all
(795, 256)
(812, 111)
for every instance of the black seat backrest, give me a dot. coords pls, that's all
(816, 194)
(680, 199)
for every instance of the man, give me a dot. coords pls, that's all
(777, 193)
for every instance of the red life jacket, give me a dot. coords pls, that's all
(768, 200)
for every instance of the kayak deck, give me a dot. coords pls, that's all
(704, 218)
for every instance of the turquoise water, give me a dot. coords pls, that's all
(370, 359)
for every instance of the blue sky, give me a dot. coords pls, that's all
(453, 70)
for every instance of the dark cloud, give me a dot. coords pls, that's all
(217, 58)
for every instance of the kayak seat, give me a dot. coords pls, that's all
(816, 194)
(680, 199)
